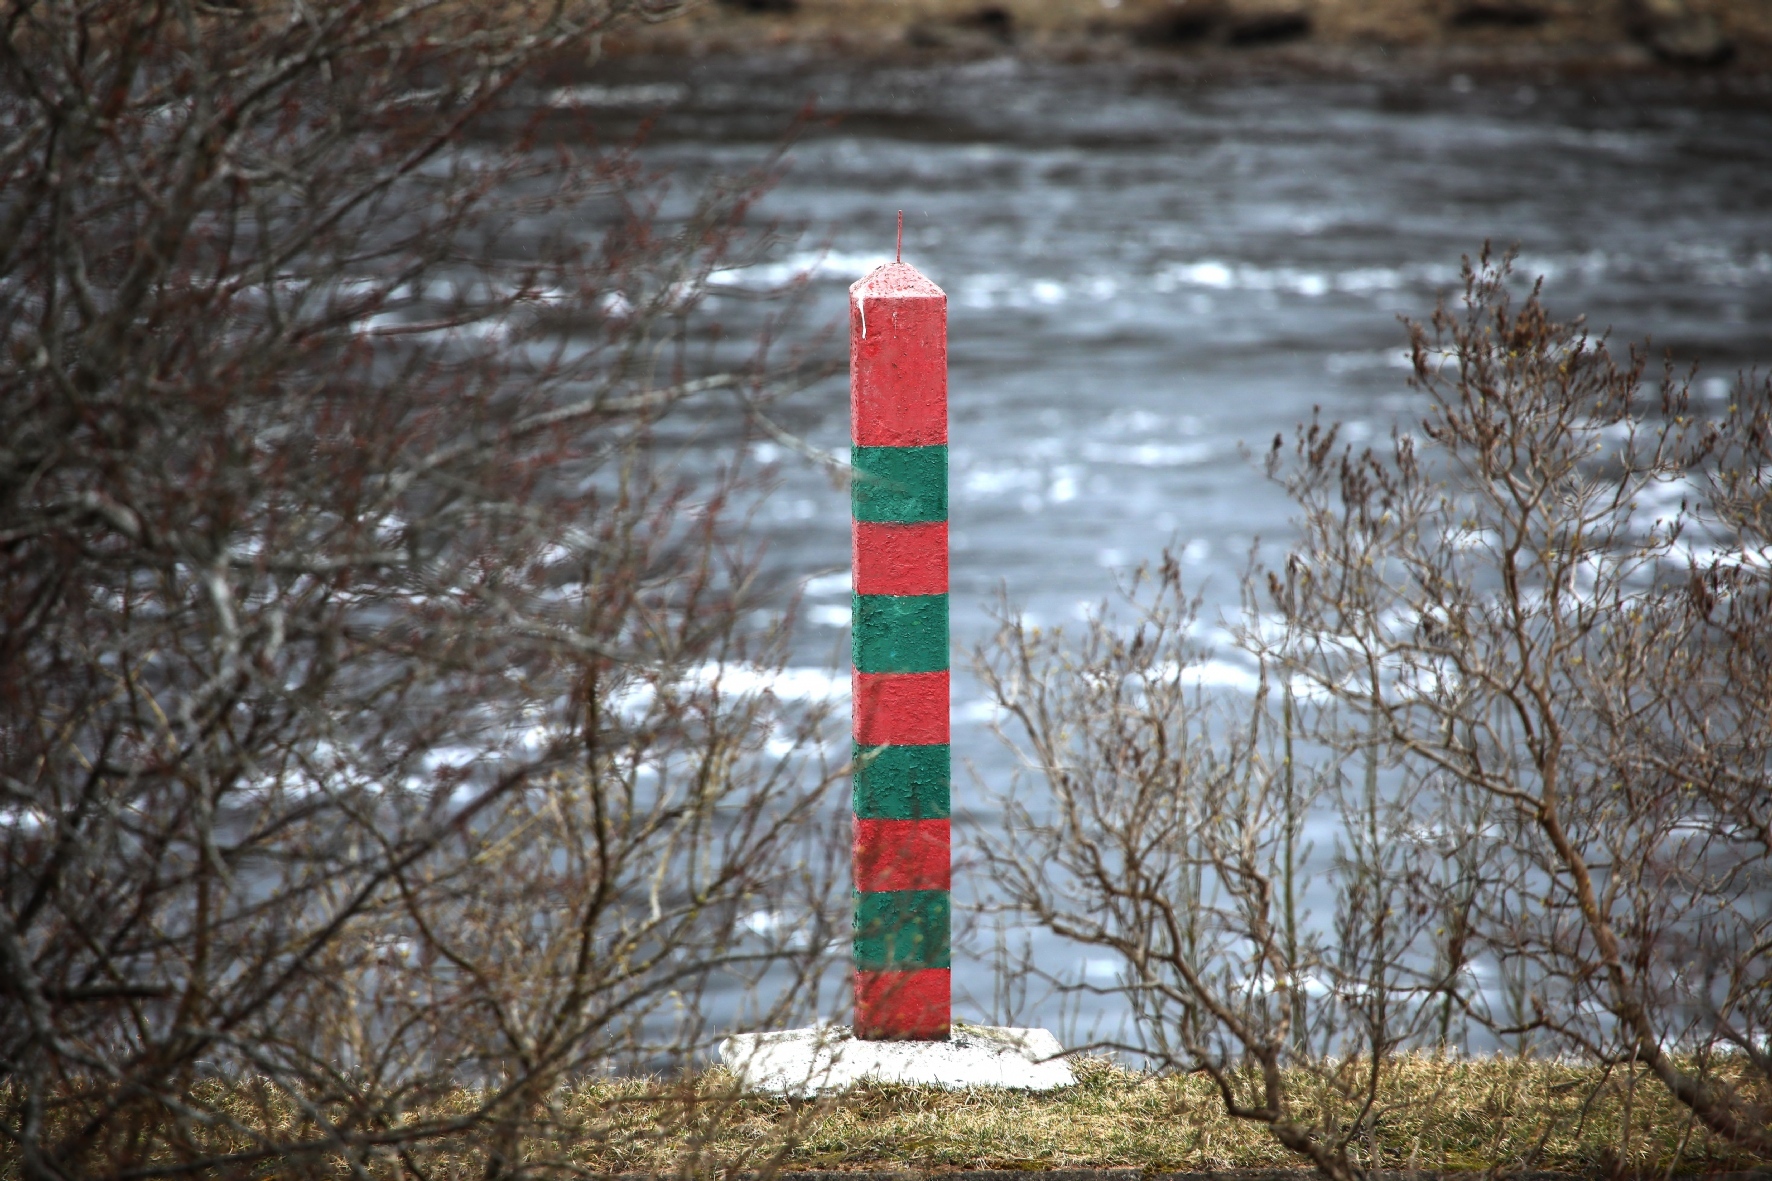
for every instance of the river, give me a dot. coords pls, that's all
(1152, 270)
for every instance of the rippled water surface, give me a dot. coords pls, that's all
(1149, 273)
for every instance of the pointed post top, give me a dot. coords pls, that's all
(895, 280)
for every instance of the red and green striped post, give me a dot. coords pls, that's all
(898, 400)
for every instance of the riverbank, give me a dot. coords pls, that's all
(1431, 1115)
(1618, 34)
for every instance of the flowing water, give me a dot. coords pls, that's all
(1151, 272)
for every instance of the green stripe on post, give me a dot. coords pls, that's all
(901, 782)
(906, 485)
(900, 633)
(901, 929)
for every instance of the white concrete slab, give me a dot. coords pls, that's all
(801, 1063)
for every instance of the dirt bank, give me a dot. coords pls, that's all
(1684, 34)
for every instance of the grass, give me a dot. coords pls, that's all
(1433, 1113)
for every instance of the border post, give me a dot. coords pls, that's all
(899, 504)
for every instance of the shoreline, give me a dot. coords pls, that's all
(1136, 1173)
(1654, 38)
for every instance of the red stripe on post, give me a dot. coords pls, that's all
(901, 559)
(901, 855)
(898, 359)
(901, 709)
(903, 1006)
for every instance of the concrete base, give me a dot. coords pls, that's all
(801, 1063)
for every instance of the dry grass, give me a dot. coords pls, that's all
(1433, 1114)
(1455, 1114)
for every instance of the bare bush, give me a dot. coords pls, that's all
(1557, 621)
(383, 738)
(1527, 650)
(1172, 837)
